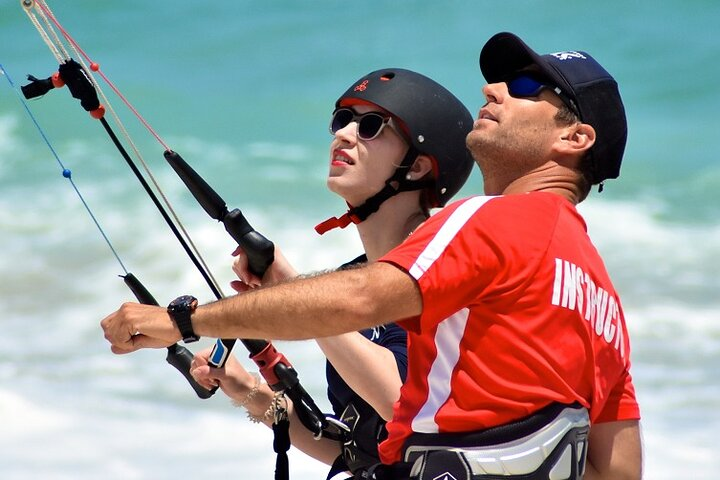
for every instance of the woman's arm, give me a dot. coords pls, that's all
(370, 369)
(245, 390)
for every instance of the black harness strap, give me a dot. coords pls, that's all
(494, 435)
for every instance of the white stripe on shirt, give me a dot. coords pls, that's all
(447, 341)
(444, 236)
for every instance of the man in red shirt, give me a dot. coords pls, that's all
(516, 336)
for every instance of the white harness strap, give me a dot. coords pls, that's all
(556, 451)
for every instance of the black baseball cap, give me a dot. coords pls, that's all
(591, 89)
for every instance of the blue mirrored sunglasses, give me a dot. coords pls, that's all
(369, 125)
(526, 86)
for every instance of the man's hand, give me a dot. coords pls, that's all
(135, 326)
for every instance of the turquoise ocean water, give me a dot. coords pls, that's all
(244, 91)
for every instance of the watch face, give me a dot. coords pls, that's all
(183, 301)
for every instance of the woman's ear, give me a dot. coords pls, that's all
(422, 166)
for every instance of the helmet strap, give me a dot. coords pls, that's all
(397, 183)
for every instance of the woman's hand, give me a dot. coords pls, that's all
(278, 271)
(232, 378)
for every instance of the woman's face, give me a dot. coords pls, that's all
(359, 168)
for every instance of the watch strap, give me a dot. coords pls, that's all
(180, 310)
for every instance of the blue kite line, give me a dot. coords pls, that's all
(66, 172)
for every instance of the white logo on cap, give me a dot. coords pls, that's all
(568, 55)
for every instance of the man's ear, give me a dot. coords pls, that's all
(576, 138)
(422, 166)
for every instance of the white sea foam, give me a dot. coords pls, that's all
(71, 435)
(654, 258)
(8, 141)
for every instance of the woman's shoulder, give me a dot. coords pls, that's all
(386, 335)
(361, 259)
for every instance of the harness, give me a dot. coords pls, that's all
(365, 430)
(548, 445)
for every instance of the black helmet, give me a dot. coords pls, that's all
(437, 121)
(437, 124)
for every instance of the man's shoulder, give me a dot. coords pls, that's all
(467, 204)
(497, 219)
(510, 207)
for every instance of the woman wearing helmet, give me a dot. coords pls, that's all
(398, 150)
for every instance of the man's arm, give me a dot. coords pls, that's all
(328, 304)
(614, 451)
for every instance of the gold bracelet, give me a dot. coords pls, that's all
(251, 394)
(275, 411)
(269, 414)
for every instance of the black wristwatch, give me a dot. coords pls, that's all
(180, 310)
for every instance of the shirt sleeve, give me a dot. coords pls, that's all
(621, 404)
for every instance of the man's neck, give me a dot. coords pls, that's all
(552, 178)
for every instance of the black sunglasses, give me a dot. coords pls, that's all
(526, 86)
(369, 125)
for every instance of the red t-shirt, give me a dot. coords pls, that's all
(518, 312)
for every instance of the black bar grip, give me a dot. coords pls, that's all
(208, 198)
(259, 250)
(180, 358)
(138, 289)
(177, 356)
